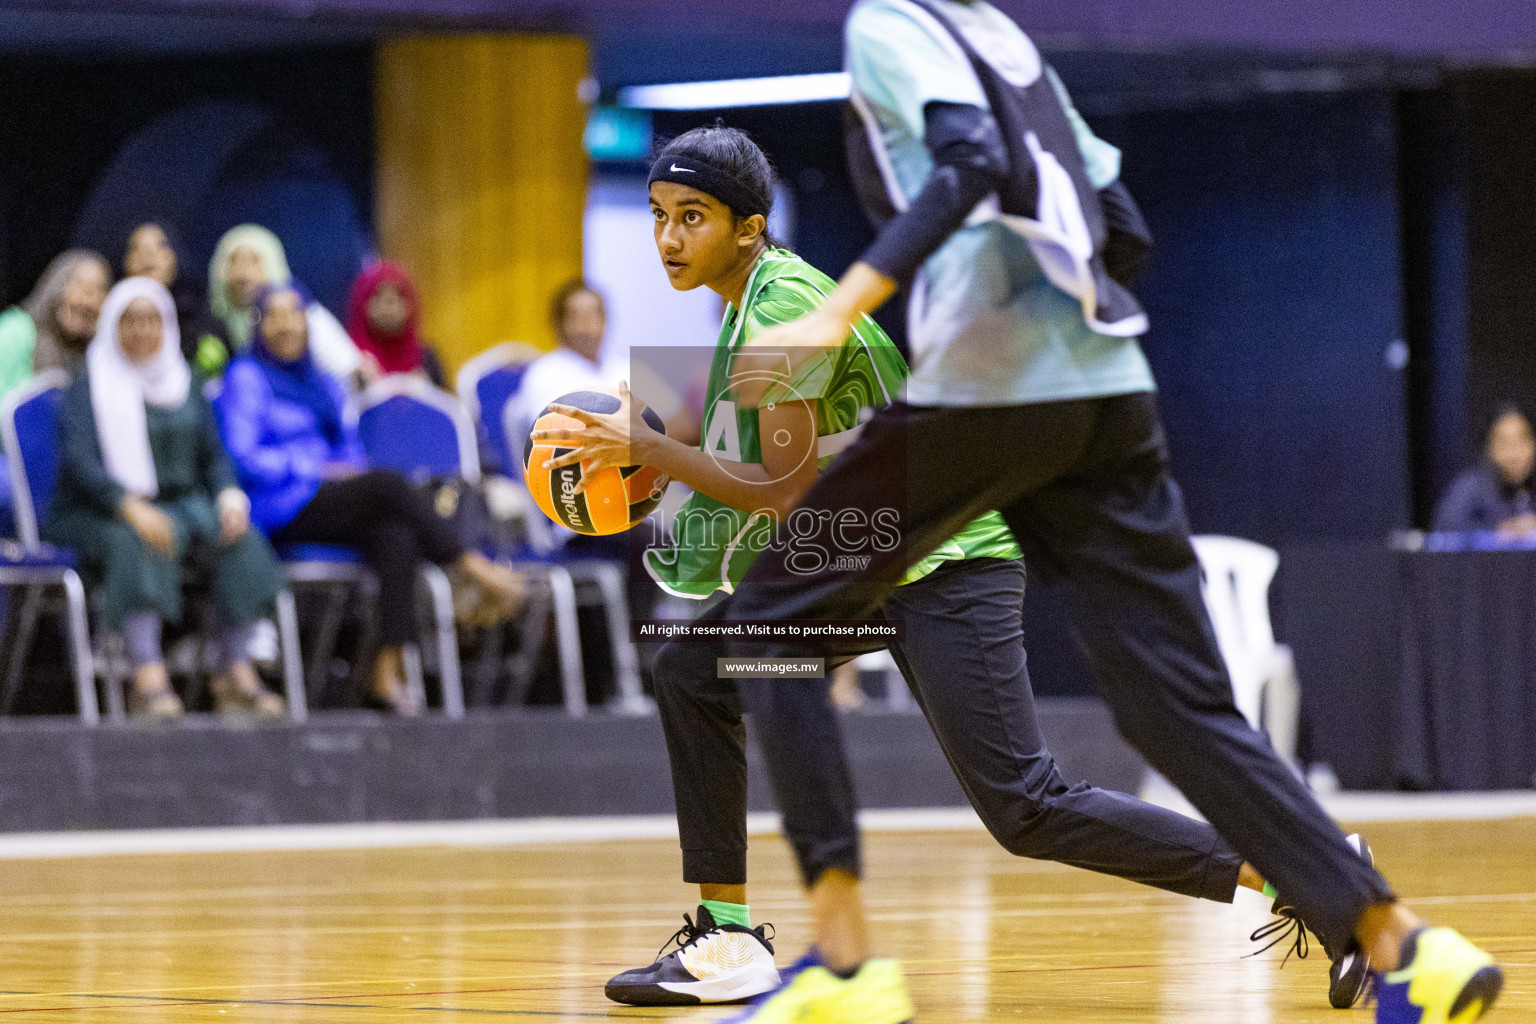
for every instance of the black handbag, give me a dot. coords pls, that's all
(463, 505)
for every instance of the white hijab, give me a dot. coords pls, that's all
(120, 387)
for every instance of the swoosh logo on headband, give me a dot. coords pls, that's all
(685, 170)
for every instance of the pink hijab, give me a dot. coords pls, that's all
(398, 353)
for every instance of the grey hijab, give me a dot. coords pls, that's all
(54, 348)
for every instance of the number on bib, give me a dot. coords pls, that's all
(723, 440)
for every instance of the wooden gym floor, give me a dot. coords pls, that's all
(459, 934)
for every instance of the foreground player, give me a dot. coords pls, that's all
(1030, 395)
(961, 607)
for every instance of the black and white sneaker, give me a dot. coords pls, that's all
(1349, 975)
(713, 963)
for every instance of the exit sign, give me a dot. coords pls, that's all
(618, 133)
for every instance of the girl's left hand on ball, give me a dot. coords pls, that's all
(604, 439)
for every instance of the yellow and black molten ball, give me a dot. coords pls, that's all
(616, 498)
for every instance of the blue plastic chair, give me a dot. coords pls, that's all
(412, 427)
(28, 423)
(28, 420)
(1476, 540)
(597, 583)
(486, 384)
(407, 425)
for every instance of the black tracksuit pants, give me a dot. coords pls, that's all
(1085, 487)
(962, 654)
(380, 512)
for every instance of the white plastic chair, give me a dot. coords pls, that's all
(1236, 578)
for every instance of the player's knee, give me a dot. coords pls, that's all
(670, 670)
(1025, 826)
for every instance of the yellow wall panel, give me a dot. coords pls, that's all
(482, 180)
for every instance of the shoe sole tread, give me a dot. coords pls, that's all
(1485, 985)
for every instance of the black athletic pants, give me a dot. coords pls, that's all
(963, 656)
(1085, 487)
(380, 512)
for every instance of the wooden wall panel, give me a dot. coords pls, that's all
(482, 180)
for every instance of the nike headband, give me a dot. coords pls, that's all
(743, 200)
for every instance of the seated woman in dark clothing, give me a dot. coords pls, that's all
(145, 488)
(297, 455)
(1496, 495)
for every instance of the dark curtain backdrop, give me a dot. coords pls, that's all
(63, 120)
(1500, 228)
(1276, 302)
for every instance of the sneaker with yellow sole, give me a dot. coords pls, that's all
(1444, 980)
(812, 994)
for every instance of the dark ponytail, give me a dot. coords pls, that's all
(732, 153)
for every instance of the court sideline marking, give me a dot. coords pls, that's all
(1349, 807)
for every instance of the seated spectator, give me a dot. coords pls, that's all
(579, 315)
(152, 251)
(1497, 494)
(588, 358)
(246, 258)
(384, 320)
(297, 454)
(52, 326)
(580, 319)
(145, 489)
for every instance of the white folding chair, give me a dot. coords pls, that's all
(1236, 577)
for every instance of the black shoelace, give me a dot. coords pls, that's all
(685, 936)
(690, 933)
(1280, 929)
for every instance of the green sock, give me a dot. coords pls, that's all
(1271, 891)
(728, 913)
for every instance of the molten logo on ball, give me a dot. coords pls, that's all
(615, 498)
